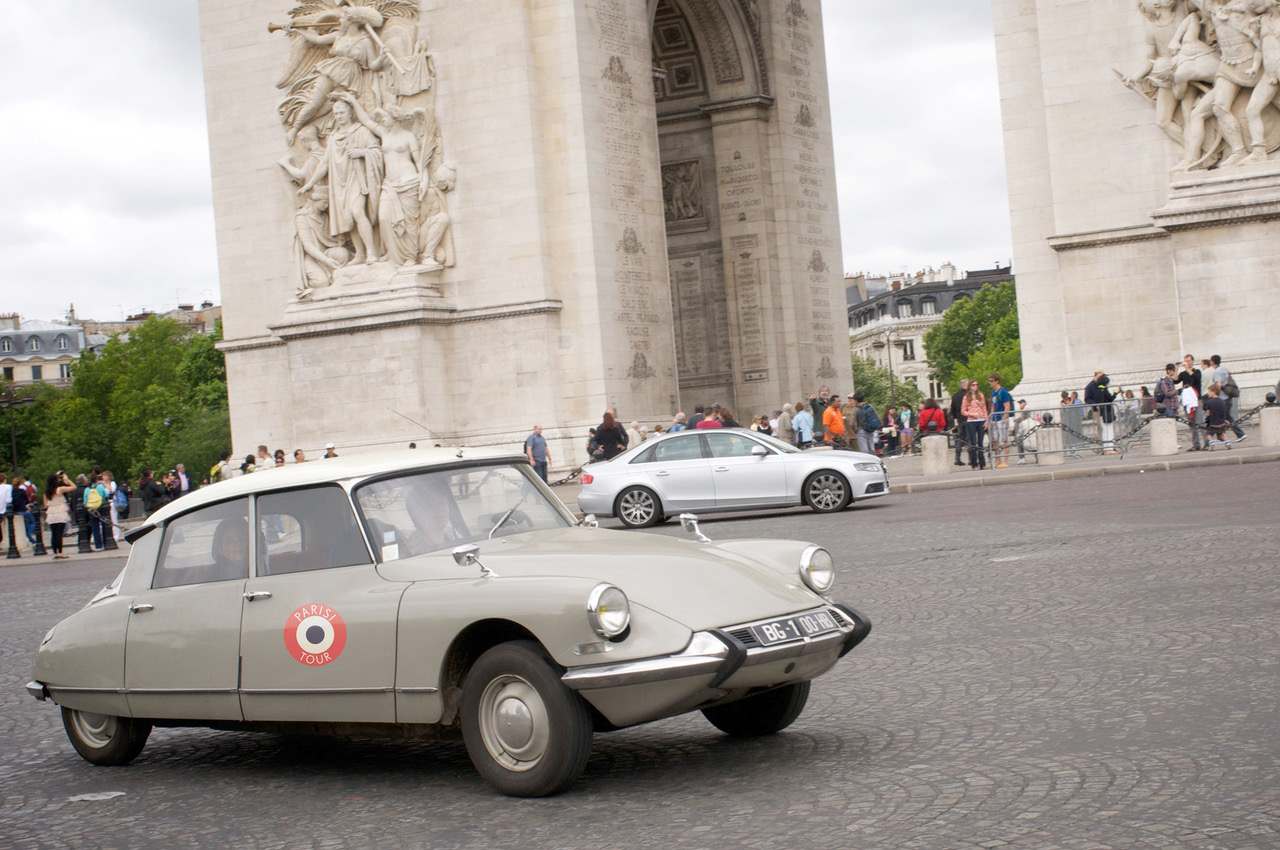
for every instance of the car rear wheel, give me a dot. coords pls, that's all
(527, 734)
(103, 738)
(639, 507)
(763, 714)
(827, 491)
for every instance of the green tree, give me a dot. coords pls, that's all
(989, 320)
(873, 382)
(155, 397)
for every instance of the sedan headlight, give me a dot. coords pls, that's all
(867, 467)
(817, 569)
(608, 611)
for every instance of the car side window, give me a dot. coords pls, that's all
(678, 448)
(309, 529)
(730, 445)
(211, 544)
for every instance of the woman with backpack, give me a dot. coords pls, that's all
(57, 510)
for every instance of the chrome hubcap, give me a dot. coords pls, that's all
(96, 730)
(637, 507)
(826, 492)
(514, 723)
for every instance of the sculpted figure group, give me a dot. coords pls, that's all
(1211, 70)
(366, 157)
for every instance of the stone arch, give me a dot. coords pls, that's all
(720, 37)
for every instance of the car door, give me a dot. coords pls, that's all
(742, 478)
(182, 643)
(319, 625)
(679, 470)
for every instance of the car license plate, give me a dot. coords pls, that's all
(795, 627)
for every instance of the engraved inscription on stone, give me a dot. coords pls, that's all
(751, 337)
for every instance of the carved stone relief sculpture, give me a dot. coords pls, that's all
(1210, 70)
(366, 152)
(682, 191)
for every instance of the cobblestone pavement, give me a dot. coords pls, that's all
(1075, 665)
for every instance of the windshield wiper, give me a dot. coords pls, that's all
(504, 519)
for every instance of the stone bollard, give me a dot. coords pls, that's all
(1270, 418)
(108, 530)
(84, 545)
(937, 455)
(1164, 436)
(1049, 446)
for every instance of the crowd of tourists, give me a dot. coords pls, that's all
(57, 508)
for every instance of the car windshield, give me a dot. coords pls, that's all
(432, 510)
(775, 443)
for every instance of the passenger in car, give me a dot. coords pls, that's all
(230, 550)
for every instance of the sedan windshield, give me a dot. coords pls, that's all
(432, 510)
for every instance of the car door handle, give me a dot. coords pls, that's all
(722, 469)
(661, 474)
(138, 607)
(257, 594)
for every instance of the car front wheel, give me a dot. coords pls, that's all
(527, 734)
(827, 491)
(763, 714)
(103, 738)
(638, 507)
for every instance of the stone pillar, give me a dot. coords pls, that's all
(1270, 417)
(937, 455)
(1164, 436)
(1049, 447)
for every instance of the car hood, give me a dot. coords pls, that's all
(699, 585)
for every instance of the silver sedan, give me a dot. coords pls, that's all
(727, 469)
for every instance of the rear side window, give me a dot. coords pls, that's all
(678, 448)
(310, 529)
(211, 544)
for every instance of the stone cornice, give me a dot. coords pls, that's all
(332, 324)
(752, 108)
(1222, 197)
(1110, 236)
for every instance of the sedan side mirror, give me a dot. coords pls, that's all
(469, 556)
(759, 451)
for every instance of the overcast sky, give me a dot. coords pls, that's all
(105, 196)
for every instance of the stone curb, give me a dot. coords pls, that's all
(1225, 458)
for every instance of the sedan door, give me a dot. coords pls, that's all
(680, 472)
(744, 478)
(182, 645)
(319, 630)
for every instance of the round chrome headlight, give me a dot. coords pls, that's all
(608, 611)
(817, 569)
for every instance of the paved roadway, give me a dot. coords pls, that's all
(1082, 664)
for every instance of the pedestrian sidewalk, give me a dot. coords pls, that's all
(69, 548)
(906, 474)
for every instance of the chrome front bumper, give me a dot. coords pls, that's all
(36, 689)
(720, 653)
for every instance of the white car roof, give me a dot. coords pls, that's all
(330, 469)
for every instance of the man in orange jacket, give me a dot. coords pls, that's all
(833, 422)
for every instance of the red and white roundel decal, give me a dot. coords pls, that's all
(315, 635)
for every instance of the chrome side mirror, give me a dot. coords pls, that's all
(690, 524)
(589, 521)
(469, 556)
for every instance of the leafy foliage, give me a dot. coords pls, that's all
(154, 398)
(873, 382)
(986, 324)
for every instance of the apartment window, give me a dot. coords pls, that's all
(8, 373)
(6, 344)
(62, 343)
(33, 344)
(904, 309)
(64, 371)
(908, 349)
(928, 307)
(37, 373)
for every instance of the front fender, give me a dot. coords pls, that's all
(552, 609)
(81, 664)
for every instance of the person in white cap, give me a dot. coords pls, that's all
(328, 450)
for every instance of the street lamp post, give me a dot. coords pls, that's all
(888, 338)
